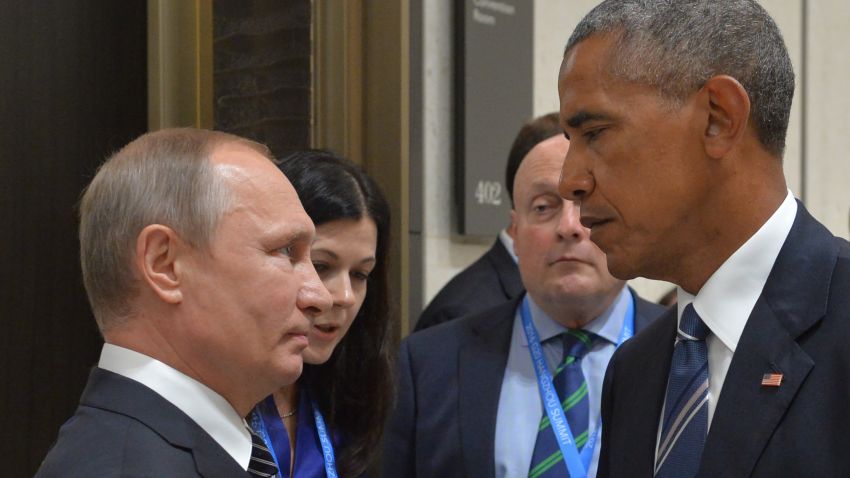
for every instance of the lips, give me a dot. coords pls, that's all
(325, 331)
(299, 334)
(299, 339)
(567, 259)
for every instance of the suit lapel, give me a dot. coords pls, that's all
(643, 394)
(506, 270)
(481, 368)
(747, 413)
(645, 312)
(794, 299)
(116, 393)
(212, 464)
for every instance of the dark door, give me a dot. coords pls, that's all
(73, 87)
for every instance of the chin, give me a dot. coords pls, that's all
(622, 269)
(316, 357)
(289, 371)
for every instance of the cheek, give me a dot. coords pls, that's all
(351, 314)
(532, 242)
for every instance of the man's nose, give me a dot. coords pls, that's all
(313, 298)
(570, 223)
(576, 181)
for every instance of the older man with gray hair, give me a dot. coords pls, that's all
(677, 112)
(195, 257)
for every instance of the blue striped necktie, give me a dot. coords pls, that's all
(547, 460)
(262, 462)
(685, 422)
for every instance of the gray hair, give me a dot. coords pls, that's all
(164, 178)
(677, 45)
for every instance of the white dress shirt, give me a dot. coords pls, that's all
(508, 242)
(726, 300)
(207, 408)
(520, 406)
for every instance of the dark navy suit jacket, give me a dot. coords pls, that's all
(123, 428)
(799, 327)
(491, 280)
(450, 379)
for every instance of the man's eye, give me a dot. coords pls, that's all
(320, 267)
(592, 134)
(541, 208)
(286, 250)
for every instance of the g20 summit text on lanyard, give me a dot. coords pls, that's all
(325, 440)
(577, 463)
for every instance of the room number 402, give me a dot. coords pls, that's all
(489, 192)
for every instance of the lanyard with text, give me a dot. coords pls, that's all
(577, 463)
(325, 440)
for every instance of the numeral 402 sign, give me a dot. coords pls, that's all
(489, 192)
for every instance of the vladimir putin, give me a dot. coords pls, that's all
(195, 257)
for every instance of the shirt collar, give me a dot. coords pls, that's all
(608, 325)
(726, 300)
(207, 408)
(508, 242)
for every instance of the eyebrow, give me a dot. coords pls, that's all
(578, 119)
(336, 257)
(298, 235)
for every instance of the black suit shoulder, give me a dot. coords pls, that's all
(441, 343)
(646, 312)
(97, 442)
(423, 434)
(123, 428)
(491, 280)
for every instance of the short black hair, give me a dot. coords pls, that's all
(676, 46)
(530, 135)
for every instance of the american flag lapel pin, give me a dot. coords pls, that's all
(773, 379)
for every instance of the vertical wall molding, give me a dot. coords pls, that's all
(803, 98)
(337, 101)
(180, 64)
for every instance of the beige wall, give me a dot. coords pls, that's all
(819, 157)
(828, 114)
(443, 257)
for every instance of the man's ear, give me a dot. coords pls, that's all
(728, 107)
(157, 250)
(512, 227)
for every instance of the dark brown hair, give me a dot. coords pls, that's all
(355, 387)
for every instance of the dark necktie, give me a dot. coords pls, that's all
(547, 460)
(262, 462)
(685, 423)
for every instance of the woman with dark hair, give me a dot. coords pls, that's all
(345, 390)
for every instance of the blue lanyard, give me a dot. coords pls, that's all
(327, 445)
(577, 463)
(266, 411)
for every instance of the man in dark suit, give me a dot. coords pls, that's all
(677, 114)
(469, 402)
(494, 278)
(491, 280)
(195, 258)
